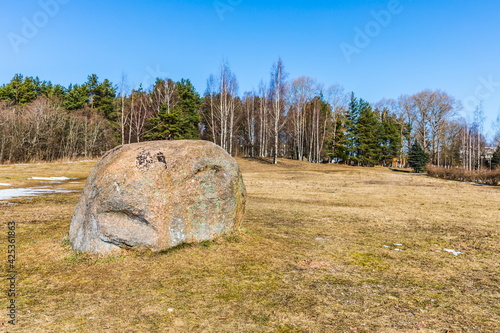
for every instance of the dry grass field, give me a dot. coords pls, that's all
(323, 248)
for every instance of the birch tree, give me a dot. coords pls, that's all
(264, 114)
(220, 113)
(278, 91)
(250, 123)
(302, 91)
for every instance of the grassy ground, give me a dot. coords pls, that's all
(316, 253)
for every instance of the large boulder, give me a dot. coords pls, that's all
(157, 195)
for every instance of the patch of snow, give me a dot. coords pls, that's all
(485, 185)
(455, 253)
(398, 244)
(50, 178)
(398, 250)
(5, 184)
(28, 192)
(387, 246)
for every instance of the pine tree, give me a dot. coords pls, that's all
(363, 130)
(390, 136)
(418, 158)
(495, 160)
(57, 92)
(76, 97)
(20, 90)
(27, 91)
(104, 96)
(351, 134)
(189, 104)
(368, 129)
(182, 120)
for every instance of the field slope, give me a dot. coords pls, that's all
(323, 248)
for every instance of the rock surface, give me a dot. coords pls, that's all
(157, 195)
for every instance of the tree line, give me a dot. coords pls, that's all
(296, 118)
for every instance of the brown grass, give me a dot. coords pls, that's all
(310, 258)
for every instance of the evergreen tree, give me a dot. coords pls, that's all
(76, 97)
(390, 136)
(97, 96)
(351, 134)
(495, 160)
(189, 106)
(103, 98)
(27, 91)
(55, 92)
(362, 133)
(20, 90)
(183, 119)
(91, 87)
(418, 158)
(368, 129)
(100, 95)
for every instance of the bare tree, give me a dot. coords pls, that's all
(140, 112)
(163, 94)
(124, 112)
(302, 91)
(444, 107)
(278, 91)
(264, 120)
(338, 100)
(209, 114)
(429, 112)
(250, 122)
(222, 94)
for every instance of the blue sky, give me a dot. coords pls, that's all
(375, 48)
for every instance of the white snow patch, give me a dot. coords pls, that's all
(398, 250)
(50, 178)
(398, 244)
(387, 246)
(28, 192)
(455, 253)
(5, 184)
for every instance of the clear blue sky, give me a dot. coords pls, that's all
(443, 44)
